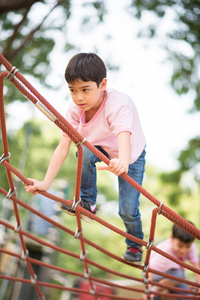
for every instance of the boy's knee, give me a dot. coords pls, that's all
(176, 272)
(180, 274)
(129, 210)
(129, 216)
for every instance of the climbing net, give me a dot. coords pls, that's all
(13, 75)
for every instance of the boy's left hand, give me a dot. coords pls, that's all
(116, 166)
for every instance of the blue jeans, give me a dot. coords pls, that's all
(128, 195)
(177, 273)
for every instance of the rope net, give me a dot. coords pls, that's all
(13, 75)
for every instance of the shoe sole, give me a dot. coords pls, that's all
(71, 213)
(132, 262)
(86, 218)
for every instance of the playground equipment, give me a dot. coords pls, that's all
(12, 74)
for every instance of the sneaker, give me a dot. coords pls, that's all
(133, 255)
(67, 208)
(91, 208)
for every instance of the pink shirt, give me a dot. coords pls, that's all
(161, 263)
(116, 114)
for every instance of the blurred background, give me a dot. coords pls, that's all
(151, 49)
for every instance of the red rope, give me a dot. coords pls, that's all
(52, 267)
(32, 94)
(79, 208)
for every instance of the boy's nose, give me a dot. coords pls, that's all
(79, 97)
(183, 252)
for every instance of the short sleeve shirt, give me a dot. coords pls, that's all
(116, 114)
(161, 263)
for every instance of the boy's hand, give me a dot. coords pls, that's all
(116, 166)
(37, 186)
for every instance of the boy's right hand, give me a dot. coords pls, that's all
(37, 186)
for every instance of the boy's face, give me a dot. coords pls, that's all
(87, 95)
(180, 248)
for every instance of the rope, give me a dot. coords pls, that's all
(42, 104)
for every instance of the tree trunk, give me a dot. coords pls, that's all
(12, 5)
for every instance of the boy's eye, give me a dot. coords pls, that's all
(85, 90)
(71, 90)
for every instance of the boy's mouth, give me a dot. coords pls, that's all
(82, 105)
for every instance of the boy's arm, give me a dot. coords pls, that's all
(58, 157)
(121, 164)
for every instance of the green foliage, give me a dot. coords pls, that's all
(28, 46)
(43, 138)
(101, 236)
(99, 6)
(27, 40)
(190, 157)
(31, 148)
(182, 44)
(186, 33)
(113, 242)
(185, 203)
(185, 178)
(27, 49)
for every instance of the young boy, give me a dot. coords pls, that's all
(109, 120)
(181, 246)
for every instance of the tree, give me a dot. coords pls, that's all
(188, 163)
(28, 38)
(182, 45)
(185, 16)
(13, 5)
(27, 42)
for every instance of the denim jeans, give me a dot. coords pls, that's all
(128, 195)
(177, 273)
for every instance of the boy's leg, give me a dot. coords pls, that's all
(129, 203)
(88, 191)
(181, 285)
(173, 283)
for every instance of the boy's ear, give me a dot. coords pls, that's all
(103, 84)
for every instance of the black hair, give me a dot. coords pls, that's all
(181, 234)
(87, 67)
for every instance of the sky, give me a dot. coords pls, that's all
(144, 74)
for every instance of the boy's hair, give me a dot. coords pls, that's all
(87, 67)
(181, 234)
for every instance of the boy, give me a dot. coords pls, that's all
(181, 246)
(109, 120)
